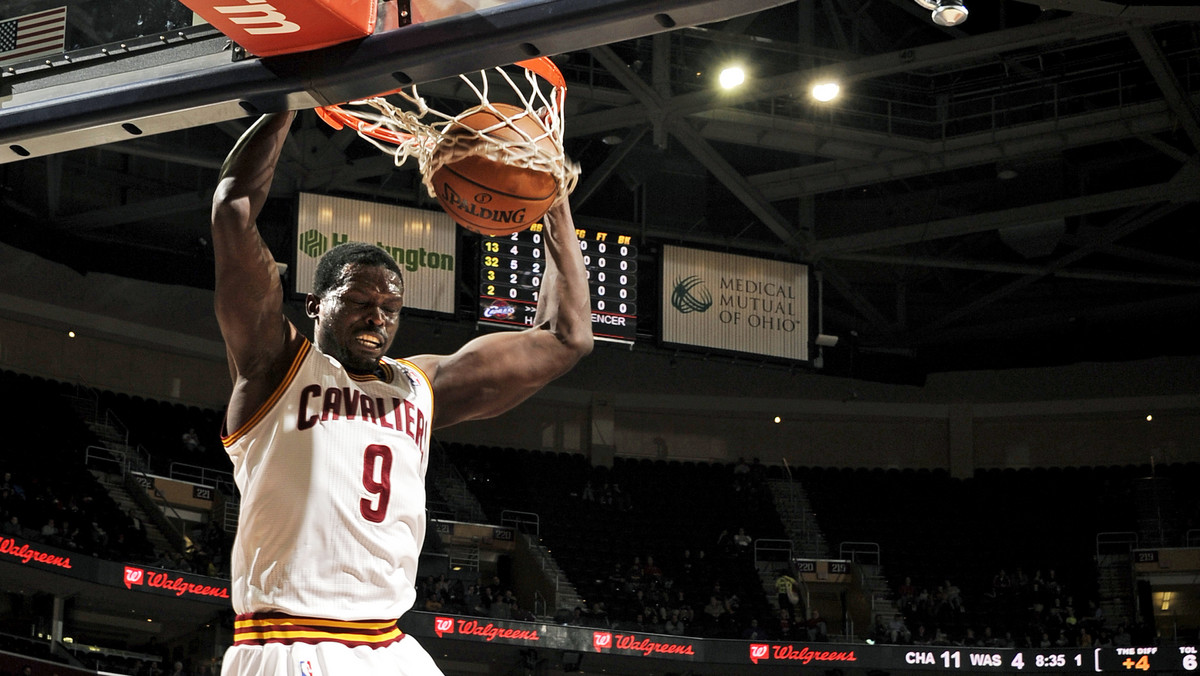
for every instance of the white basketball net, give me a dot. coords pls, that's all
(436, 139)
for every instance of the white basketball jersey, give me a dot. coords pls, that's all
(332, 475)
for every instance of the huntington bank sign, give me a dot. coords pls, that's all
(735, 303)
(421, 241)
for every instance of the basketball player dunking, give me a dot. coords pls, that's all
(330, 439)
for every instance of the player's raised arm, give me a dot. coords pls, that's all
(249, 295)
(493, 373)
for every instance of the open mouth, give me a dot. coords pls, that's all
(369, 340)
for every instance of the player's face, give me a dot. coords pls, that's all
(356, 320)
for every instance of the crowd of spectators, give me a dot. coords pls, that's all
(71, 512)
(1017, 610)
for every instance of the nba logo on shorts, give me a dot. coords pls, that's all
(133, 576)
(758, 651)
(602, 640)
(307, 668)
(443, 625)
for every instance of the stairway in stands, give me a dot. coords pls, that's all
(113, 459)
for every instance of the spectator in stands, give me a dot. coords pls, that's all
(897, 630)
(620, 499)
(13, 528)
(50, 531)
(577, 618)
(472, 601)
(953, 595)
(754, 632)
(816, 627)
(675, 626)
(742, 543)
(652, 573)
(786, 590)
(10, 484)
(715, 610)
(599, 614)
(432, 603)
(616, 579)
(635, 573)
(685, 566)
(906, 593)
(785, 627)
(191, 442)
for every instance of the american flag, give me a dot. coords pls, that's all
(33, 35)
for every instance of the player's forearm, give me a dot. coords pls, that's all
(564, 304)
(248, 171)
(249, 295)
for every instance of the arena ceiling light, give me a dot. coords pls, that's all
(732, 76)
(825, 91)
(945, 12)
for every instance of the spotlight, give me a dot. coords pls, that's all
(950, 13)
(945, 12)
(731, 77)
(826, 91)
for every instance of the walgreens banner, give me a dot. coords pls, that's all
(17, 554)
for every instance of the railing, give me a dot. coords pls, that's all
(440, 511)
(521, 521)
(206, 476)
(104, 459)
(137, 486)
(1116, 542)
(771, 552)
(860, 552)
(548, 567)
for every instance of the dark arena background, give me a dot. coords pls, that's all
(895, 382)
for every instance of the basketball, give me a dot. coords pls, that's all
(490, 197)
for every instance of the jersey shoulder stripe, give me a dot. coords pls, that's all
(234, 435)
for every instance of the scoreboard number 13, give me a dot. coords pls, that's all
(511, 269)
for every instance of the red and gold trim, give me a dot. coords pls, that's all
(264, 628)
(230, 439)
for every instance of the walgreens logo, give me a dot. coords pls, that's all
(803, 655)
(24, 553)
(603, 640)
(164, 581)
(488, 632)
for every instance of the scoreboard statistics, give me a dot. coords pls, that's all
(510, 280)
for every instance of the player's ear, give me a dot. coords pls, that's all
(312, 306)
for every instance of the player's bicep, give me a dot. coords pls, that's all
(494, 373)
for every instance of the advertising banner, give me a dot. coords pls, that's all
(135, 578)
(421, 241)
(735, 303)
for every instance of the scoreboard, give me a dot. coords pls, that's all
(510, 280)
